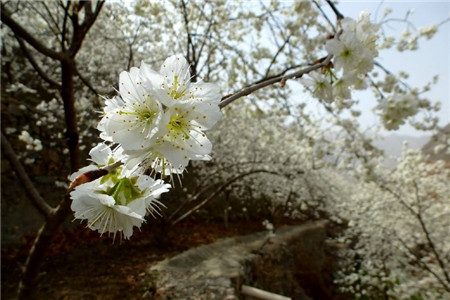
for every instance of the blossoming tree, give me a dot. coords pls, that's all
(156, 124)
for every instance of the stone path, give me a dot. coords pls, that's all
(267, 261)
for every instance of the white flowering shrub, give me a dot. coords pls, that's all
(397, 234)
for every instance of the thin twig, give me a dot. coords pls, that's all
(28, 185)
(218, 191)
(324, 15)
(338, 14)
(255, 87)
(35, 65)
(424, 265)
(274, 58)
(20, 31)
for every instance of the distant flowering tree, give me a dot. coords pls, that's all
(399, 225)
(155, 126)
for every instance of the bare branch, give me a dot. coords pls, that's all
(424, 265)
(247, 91)
(218, 191)
(64, 26)
(35, 65)
(86, 82)
(286, 41)
(190, 51)
(338, 14)
(28, 185)
(43, 240)
(427, 234)
(385, 70)
(324, 15)
(20, 31)
(80, 31)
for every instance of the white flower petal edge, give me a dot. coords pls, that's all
(160, 118)
(100, 154)
(148, 202)
(101, 212)
(135, 120)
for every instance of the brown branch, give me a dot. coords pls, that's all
(385, 70)
(28, 185)
(35, 65)
(20, 31)
(211, 23)
(42, 242)
(64, 25)
(130, 47)
(46, 233)
(80, 31)
(338, 14)
(424, 265)
(424, 229)
(247, 91)
(86, 82)
(218, 191)
(67, 94)
(286, 41)
(427, 233)
(433, 248)
(324, 15)
(190, 45)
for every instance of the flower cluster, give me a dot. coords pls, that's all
(159, 119)
(355, 49)
(157, 125)
(32, 144)
(115, 203)
(396, 108)
(393, 250)
(353, 53)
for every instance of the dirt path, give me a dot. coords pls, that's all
(82, 265)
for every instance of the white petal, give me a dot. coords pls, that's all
(100, 154)
(199, 144)
(150, 78)
(129, 86)
(176, 157)
(205, 92)
(206, 114)
(176, 65)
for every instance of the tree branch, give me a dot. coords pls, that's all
(43, 240)
(64, 25)
(20, 31)
(80, 31)
(286, 41)
(427, 233)
(324, 15)
(190, 44)
(218, 191)
(246, 91)
(35, 65)
(28, 185)
(86, 82)
(338, 14)
(424, 265)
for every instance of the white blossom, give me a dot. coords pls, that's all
(91, 203)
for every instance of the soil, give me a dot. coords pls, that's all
(82, 265)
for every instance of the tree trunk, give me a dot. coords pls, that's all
(67, 95)
(43, 239)
(59, 214)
